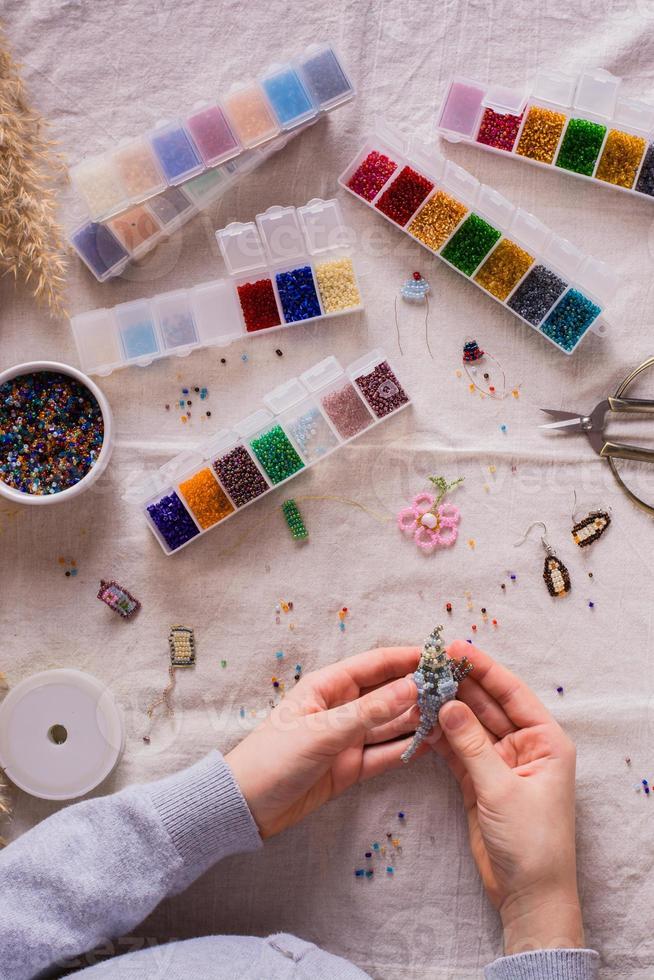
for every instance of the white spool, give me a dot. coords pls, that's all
(61, 734)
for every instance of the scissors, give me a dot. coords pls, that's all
(593, 425)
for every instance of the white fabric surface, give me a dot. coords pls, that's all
(104, 71)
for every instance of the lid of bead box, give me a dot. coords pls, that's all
(281, 234)
(506, 101)
(460, 183)
(241, 247)
(634, 114)
(322, 222)
(598, 279)
(182, 463)
(285, 396)
(492, 205)
(597, 91)
(322, 373)
(216, 312)
(252, 423)
(97, 343)
(222, 440)
(556, 87)
(366, 363)
(529, 231)
(563, 255)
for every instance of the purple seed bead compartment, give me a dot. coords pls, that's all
(382, 390)
(172, 520)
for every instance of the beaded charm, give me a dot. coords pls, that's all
(118, 598)
(181, 643)
(492, 384)
(415, 290)
(431, 524)
(437, 678)
(592, 527)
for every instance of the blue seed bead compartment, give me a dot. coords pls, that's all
(295, 100)
(210, 314)
(593, 279)
(284, 404)
(593, 95)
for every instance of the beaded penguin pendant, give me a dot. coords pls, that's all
(437, 678)
(591, 528)
(556, 575)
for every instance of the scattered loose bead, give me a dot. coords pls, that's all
(448, 607)
(559, 690)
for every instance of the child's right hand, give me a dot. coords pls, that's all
(516, 769)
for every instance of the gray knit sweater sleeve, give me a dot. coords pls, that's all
(96, 869)
(546, 964)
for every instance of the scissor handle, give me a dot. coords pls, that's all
(618, 450)
(633, 405)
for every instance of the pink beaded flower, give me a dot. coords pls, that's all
(431, 523)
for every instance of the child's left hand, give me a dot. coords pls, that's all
(331, 731)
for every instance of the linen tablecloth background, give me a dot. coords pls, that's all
(101, 72)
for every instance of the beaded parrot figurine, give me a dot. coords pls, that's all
(437, 678)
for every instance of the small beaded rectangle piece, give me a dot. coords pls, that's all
(181, 642)
(118, 599)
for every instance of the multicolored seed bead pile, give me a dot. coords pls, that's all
(537, 294)
(382, 390)
(294, 520)
(371, 175)
(404, 196)
(346, 411)
(580, 147)
(503, 269)
(240, 476)
(337, 285)
(540, 134)
(434, 223)
(172, 520)
(297, 294)
(206, 498)
(468, 246)
(499, 129)
(259, 305)
(276, 454)
(570, 319)
(51, 432)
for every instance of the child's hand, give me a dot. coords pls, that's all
(326, 734)
(516, 769)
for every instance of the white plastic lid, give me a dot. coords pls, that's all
(61, 734)
(494, 206)
(97, 343)
(390, 136)
(366, 363)
(188, 459)
(241, 247)
(507, 101)
(285, 396)
(529, 231)
(322, 223)
(563, 255)
(460, 183)
(252, 423)
(426, 158)
(281, 234)
(322, 373)
(222, 440)
(597, 91)
(634, 114)
(598, 279)
(554, 86)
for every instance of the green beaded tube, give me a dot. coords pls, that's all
(294, 520)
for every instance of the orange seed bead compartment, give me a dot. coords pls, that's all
(206, 498)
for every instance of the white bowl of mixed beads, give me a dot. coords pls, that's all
(56, 432)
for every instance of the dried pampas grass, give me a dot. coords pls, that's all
(31, 245)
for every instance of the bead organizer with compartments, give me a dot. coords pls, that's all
(541, 278)
(144, 189)
(301, 270)
(577, 123)
(304, 420)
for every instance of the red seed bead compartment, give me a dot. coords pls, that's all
(404, 195)
(374, 170)
(258, 304)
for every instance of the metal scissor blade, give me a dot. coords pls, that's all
(572, 424)
(555, 413)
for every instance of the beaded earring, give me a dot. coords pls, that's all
(586, 531)
(472, 355)
(415, 291)
(181, 647)
(555, 574)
